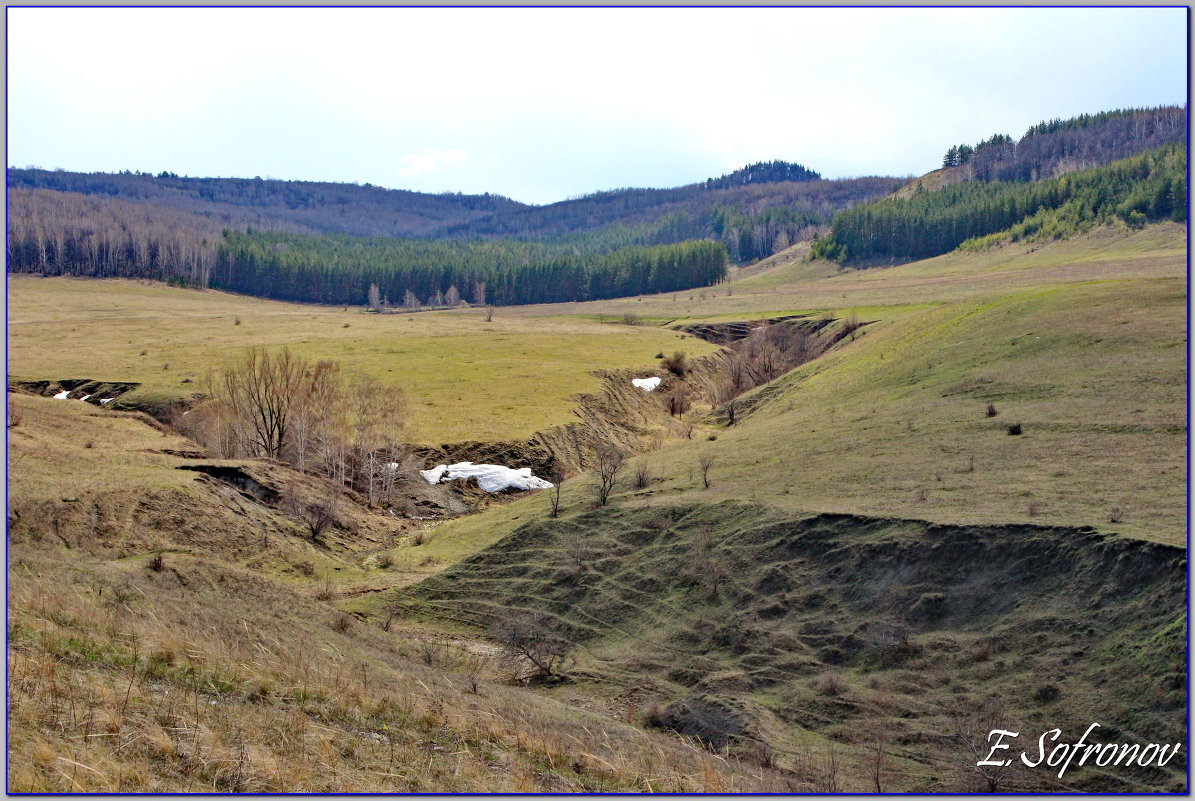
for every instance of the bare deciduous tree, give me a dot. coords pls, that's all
(557, 480)
(706, 461)
(264, 392)
(974, 724)
(315, 513)
(608, 463)
(536, 639)
(452, 297)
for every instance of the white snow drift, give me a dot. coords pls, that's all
(490, 477)
(63, 395)
(646, 384)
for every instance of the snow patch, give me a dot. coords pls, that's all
(646, 384)
(490, 477)
(85, 397)
(63, 395)
(107, 400)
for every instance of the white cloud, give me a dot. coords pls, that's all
(426, 161)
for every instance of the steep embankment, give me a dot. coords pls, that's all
(784, 636)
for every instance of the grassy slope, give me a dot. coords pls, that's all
(795, 636)
(1082, 342)
(464, 378)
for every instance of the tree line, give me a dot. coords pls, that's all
(1056, 146)
(415, 272)
(1148, 186)
(65, 233)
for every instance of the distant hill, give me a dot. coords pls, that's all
(326, 207)
(170, 227)
(753, 219)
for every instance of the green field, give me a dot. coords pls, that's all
(463, 378)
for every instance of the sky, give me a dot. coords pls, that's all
(541, 104)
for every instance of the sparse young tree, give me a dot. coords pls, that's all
(706, 461)
(554, 496)
(479, 293)
(315, 513)
(679, 400)
(608, 463)
(452, 297)
(375, 298)
(973, 724)
(410, 300)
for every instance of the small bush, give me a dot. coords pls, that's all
(1115, 515)
(677, 364)
(236, 320)
(417, 539)
(991, 410)
(829, 683)
(89, 444)
(660, 355)
(1014, 429)
(643, 475)
(1047, 693)
(157, 562)
(343, 623)
(630, 318)
(385, 561)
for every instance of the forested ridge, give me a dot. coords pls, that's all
(1150, 186)
(753, 219)
(417, 273)
(1061, 178)
(359, 210)
(179, 229)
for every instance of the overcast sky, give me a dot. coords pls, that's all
(543, 104)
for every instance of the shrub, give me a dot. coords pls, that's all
(1047, 693)
(643, 476)
(677, 364)
(830, 683)
(991, 410)
(1014, 429)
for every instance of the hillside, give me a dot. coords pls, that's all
(169, 632)
(308, 205)
(829, 591)
(169, 228)
(1062, 178)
